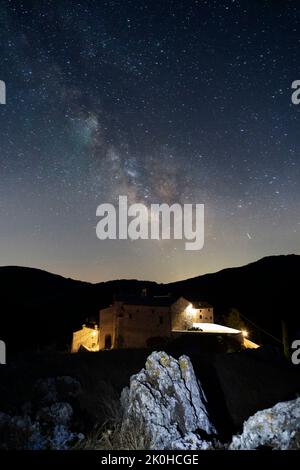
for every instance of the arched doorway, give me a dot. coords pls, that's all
(107, 342)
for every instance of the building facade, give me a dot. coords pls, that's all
(186, 314)
(141, 322)
(136, 322)
(87, 338)
(133, 323)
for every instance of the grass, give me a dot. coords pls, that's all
(113, 434)
(236, 386)
(116, 437)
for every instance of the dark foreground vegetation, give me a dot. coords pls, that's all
(236, 384)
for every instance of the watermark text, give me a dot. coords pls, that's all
(296, 353)
(2, 92)
(159, 222)
(296, 93)
(2, 352)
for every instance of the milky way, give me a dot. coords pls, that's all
(185, 102)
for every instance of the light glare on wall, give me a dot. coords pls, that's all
(190, 310)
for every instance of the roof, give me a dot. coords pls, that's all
(212, 328)
(151, 301)
(89, 324)
(157, 300)
(200, 303)
(195, 301)
(250, 344)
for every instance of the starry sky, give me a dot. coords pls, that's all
(176, 101)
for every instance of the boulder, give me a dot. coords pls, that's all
(52, 389)
(166, 400)
(58, 413)
(277, 428)
(46, 423)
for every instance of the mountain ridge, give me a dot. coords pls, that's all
(47, 307)
(40, 270)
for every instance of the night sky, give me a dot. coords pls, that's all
(163, 101)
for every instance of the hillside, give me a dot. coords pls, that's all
(264, 291)
(39, 308)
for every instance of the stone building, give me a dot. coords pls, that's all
(144, 321)
(87, 338)
(135, 322)
(132, 322)
(185, 314)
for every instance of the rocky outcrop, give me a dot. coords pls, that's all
(58, 413)
(277, 428)
(52, 389)
(46, 423)
(21, 432)
(166, 400)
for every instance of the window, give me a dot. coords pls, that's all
(200, 316)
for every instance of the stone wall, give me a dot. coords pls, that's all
(138, 323)
(107, 327)
(86, 337)
(181, 320)
(130, 326)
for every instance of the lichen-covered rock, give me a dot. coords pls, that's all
(52, 389)
(68, 386)
(62, 438)
(168, 400)
(47, 422)
(45, 390)
(58, 413)
(192, 441)
(277, 427)
(21, 432)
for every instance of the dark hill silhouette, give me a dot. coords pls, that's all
(39, 308)
(264, 291)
